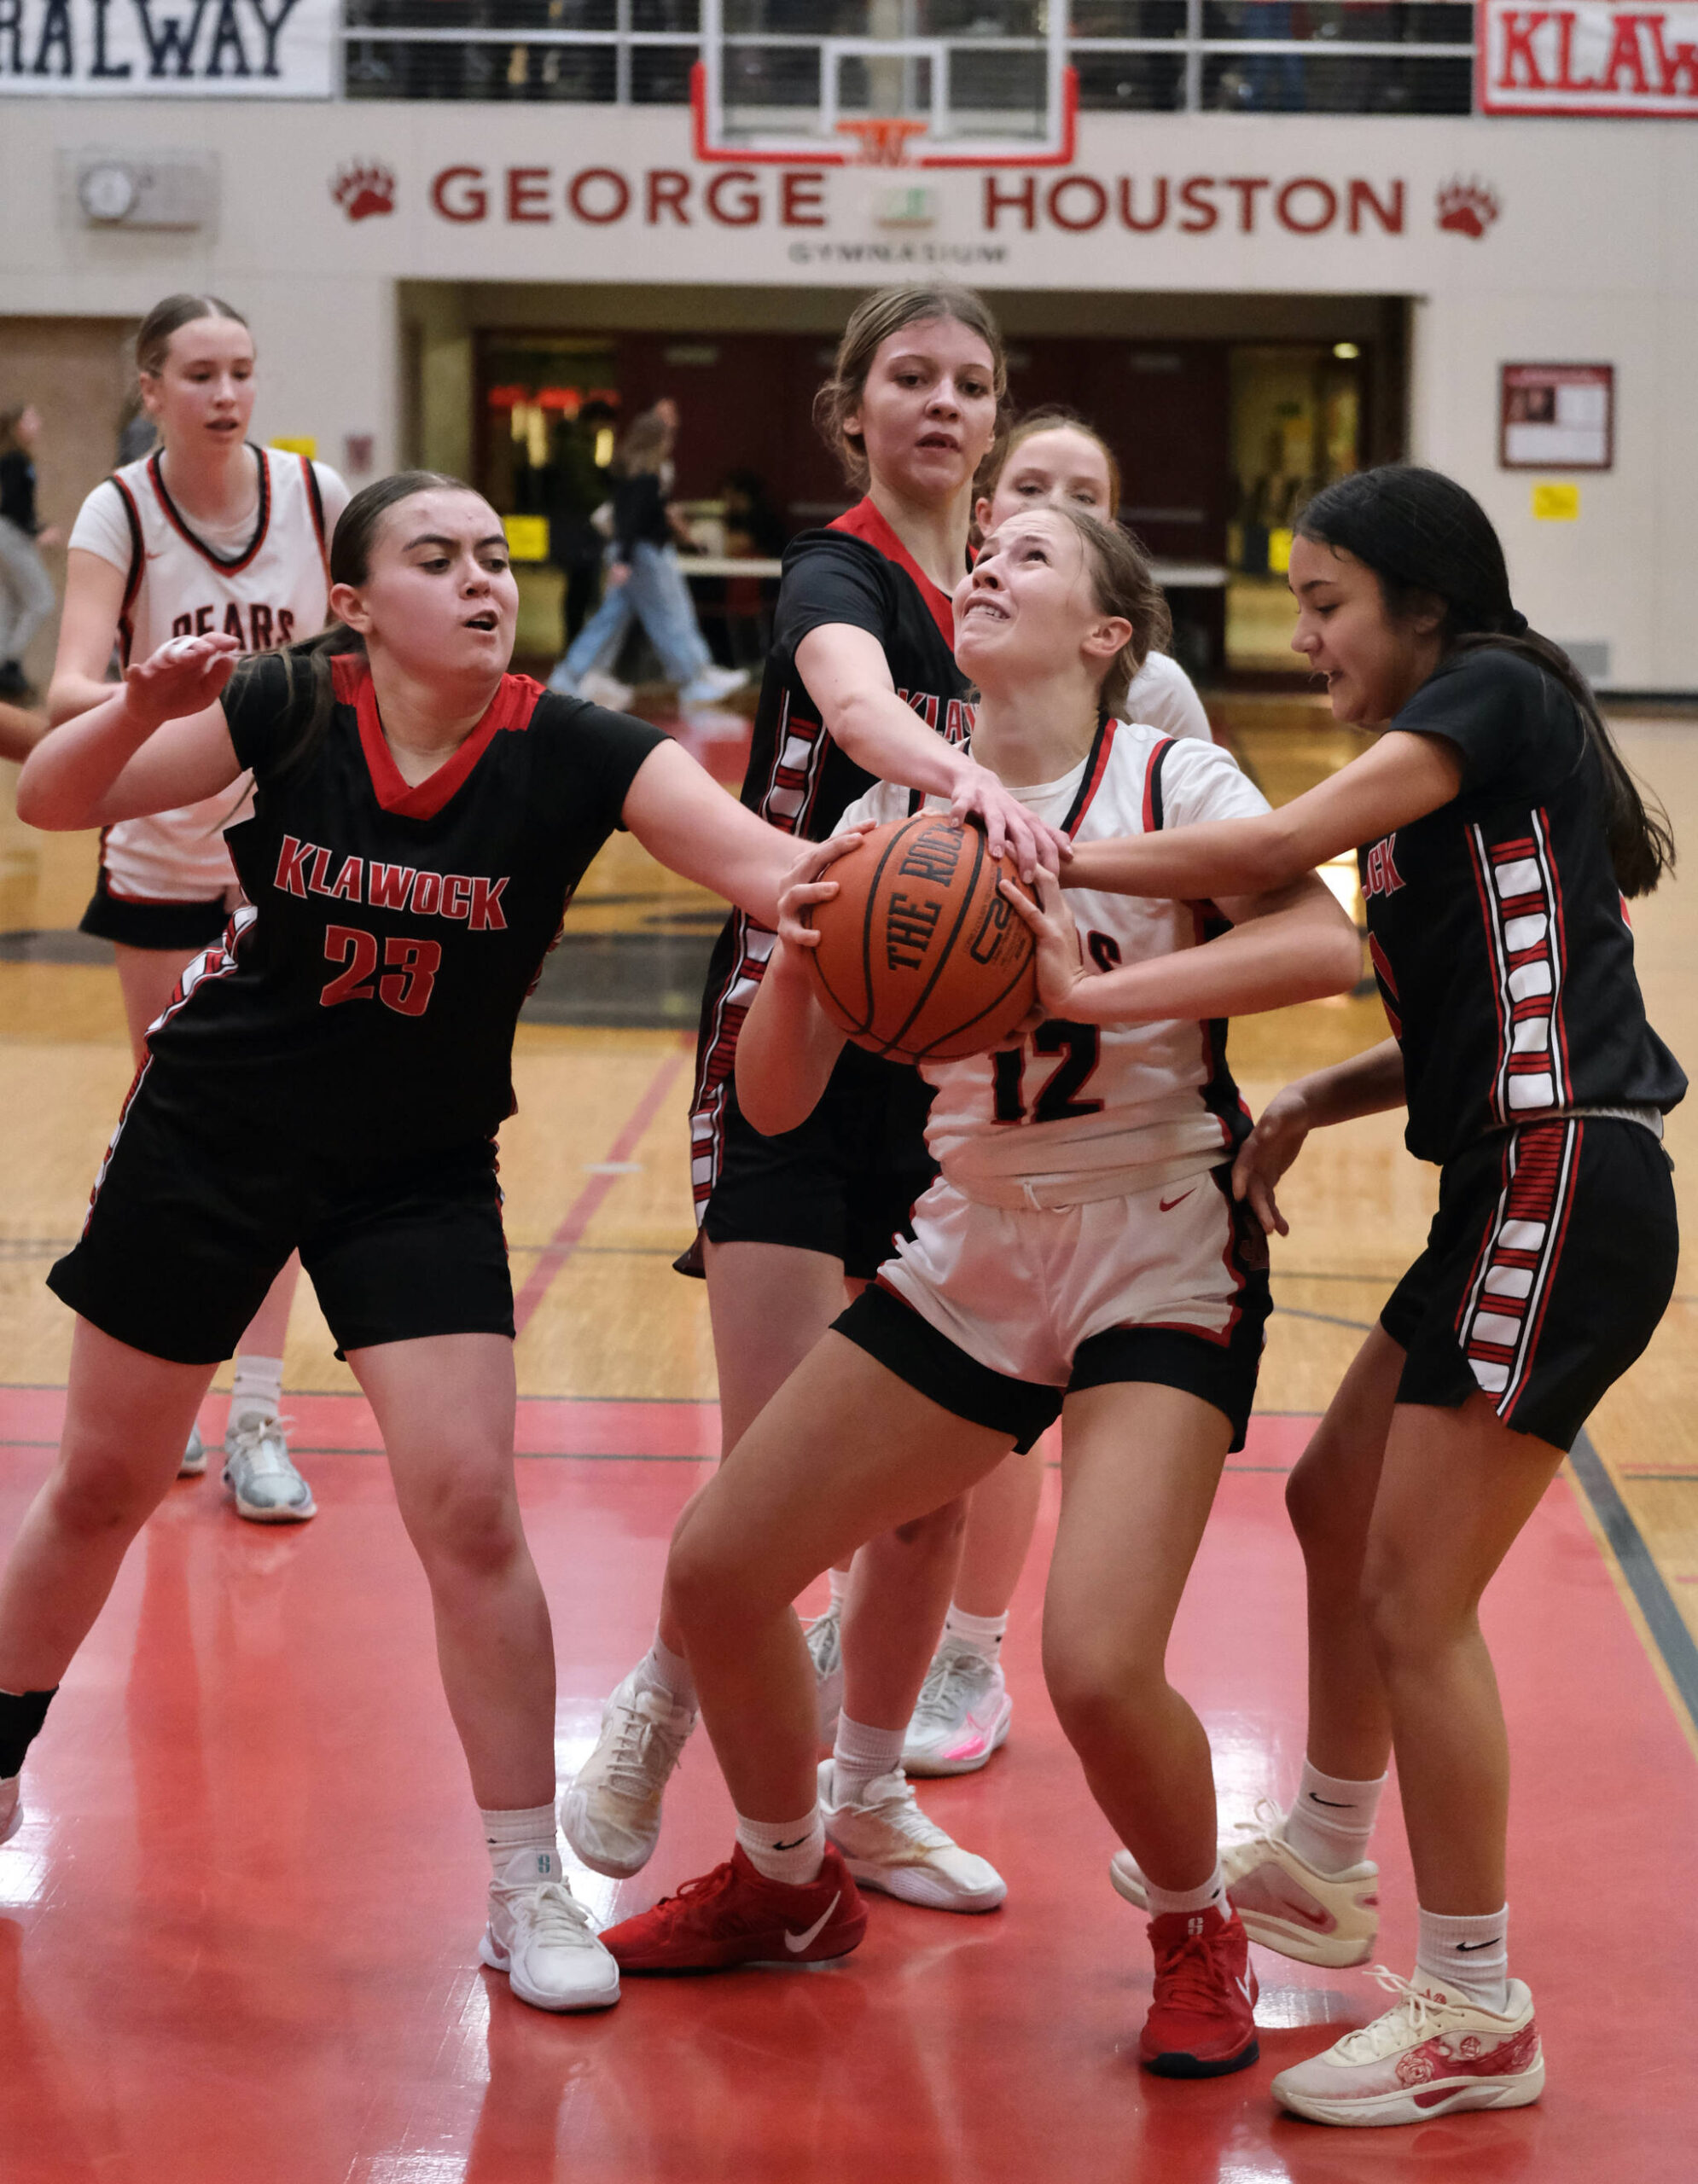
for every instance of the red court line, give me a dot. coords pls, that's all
(588, 1203)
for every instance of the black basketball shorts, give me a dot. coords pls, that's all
(843, 1182)
(192, 1217)
(188, 926)
(1550, 1262)
(999, 1315)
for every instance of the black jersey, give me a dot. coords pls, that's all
(367, 999)
(1498, 931)
(857, 572)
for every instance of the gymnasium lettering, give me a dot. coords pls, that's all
(131, 48)
(304, 869)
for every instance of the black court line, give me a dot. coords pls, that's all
(1663, 1619)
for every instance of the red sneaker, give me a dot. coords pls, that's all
(1201, 2021)
(734, 1915)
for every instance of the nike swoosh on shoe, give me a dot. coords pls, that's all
(797, 1943)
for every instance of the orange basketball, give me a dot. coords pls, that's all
(920, 956)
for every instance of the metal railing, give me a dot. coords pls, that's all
(1339, 56)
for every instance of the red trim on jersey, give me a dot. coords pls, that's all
(132, 581)
(315, 504)
(1482, 885)
(1095, 767)
(864, 521)
(1559, 950)
(156, 479)
(514, 701)
(1152, 786)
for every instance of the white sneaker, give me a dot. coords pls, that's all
(1434, 2053)
(606, 690)
(11, 1807)
(712, 685)
(1329, 1919)
(194, 1463)
(540, 1935)
(824, 1635)
(888, 1843)
(267, 1487)
(963, 1713)
(611, 1815)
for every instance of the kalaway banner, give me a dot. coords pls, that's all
(170, 48)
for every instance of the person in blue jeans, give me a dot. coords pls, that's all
(643, 580)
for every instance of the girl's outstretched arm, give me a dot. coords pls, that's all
(1402, 778)
(788, 1047)
(158, 741)
(848, 679)
(1367, 1084)
(1293, 943)
(688, 823)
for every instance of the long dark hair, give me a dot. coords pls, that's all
(312, 692)
(1425, 539)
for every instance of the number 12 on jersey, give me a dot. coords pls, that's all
(411, 966)
(1078, 1046)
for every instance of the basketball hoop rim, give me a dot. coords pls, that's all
(807, 156)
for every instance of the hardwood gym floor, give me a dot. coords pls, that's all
(238, 1931)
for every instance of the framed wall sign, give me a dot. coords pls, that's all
(1556, 417)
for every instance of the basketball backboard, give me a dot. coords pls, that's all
(899, 83)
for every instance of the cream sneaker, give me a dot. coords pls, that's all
(1434, 2053)
(540, 1935)
(888, 1843)
(1327, 1918)
(611, 1815)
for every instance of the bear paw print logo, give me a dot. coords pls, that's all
(363, 190)
(1467, 208)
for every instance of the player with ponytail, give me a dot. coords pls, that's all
(1498, 831)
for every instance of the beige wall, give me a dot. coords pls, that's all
(77, 371)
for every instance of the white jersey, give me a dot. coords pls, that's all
(267, 588)
(1086, 1112)
(1162, 696)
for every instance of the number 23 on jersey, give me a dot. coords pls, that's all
(410, 970)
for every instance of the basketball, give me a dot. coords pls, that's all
(920, 956)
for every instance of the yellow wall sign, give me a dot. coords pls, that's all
(527, 536)
(308, 447)
(1555, 503)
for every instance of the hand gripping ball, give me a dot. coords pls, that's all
(920, 956)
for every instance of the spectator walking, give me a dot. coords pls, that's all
(26, 587)
(645, 583)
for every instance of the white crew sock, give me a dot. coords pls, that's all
(259, 1386)
(860, 1755)
(1469, 1955)
(521, 1843)
(983, 1633)
(789, 1851)
(1331, 1820)
(1211, 1896)
(839, 1582)
(663, 1670)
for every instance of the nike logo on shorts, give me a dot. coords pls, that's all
(797, 1943)
(1168, 1203)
